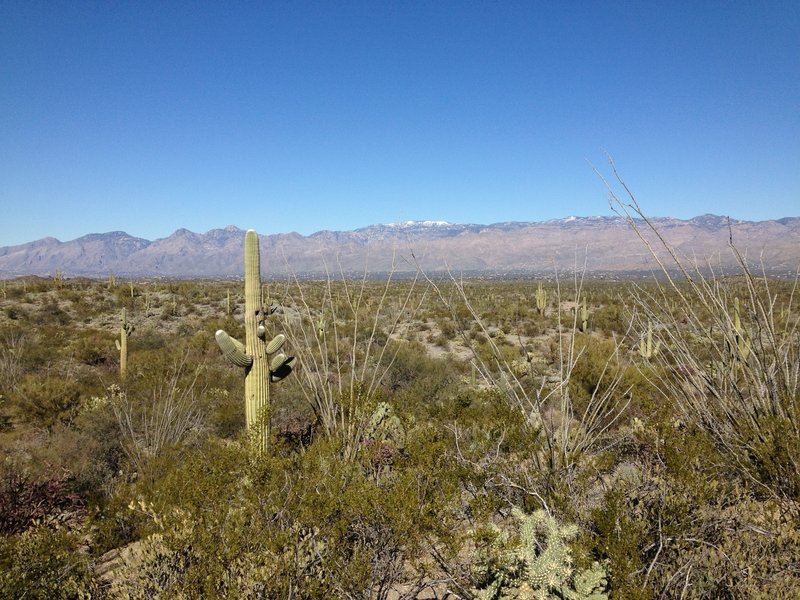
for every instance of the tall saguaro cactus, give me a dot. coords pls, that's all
(125, 330)
(253, 355)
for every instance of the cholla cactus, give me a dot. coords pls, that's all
(537, 567)
(262, 361)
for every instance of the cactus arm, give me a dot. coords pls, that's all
(283, 370)
(233, 350)
(276, 343)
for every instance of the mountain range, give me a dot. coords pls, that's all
(600, 245)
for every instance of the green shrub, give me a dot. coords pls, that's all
(44, 563)
(46, 401)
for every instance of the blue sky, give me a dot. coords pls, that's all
(301, 116)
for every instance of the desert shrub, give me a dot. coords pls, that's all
(26, 499)
(611, 318)
(44, 563)
(44, 401)
(148, 339)
(13, 344)
(89, 449)
(219, 522)
(564, 430)
(93, 348)
(52, 313)
(416, 380)
(675, 523)
(164, 406)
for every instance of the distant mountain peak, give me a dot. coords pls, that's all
(406, 224)
(530, 249)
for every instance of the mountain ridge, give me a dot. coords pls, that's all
(608, 243)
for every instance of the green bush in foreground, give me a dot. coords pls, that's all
(44, 563)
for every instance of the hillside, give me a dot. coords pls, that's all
(514, 248)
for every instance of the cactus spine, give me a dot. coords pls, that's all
(253, 355)
(122, 344)
(541, 299)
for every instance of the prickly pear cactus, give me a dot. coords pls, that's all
(385, 426)
(262, 361)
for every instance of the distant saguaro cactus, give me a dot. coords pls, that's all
(253, 355)
(125, 330)
(541, 299)
(646, 347)
(743, 343)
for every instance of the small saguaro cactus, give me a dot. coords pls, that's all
(254, 355)
(647, 349)
(125, 330)
(582, 314)
(743, 343)
(541, 299)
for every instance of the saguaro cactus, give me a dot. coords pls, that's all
(541, 299)
(647, 348)
(743, 343)
(125, 330)
(254, 355)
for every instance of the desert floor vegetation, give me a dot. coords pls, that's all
(440, 438)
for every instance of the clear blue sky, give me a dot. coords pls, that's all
(301, 116)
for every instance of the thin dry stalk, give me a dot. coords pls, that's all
(168, 417)
(730, 354)
(347, 345)
(546, 403)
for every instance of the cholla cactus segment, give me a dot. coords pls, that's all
(590, 584)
